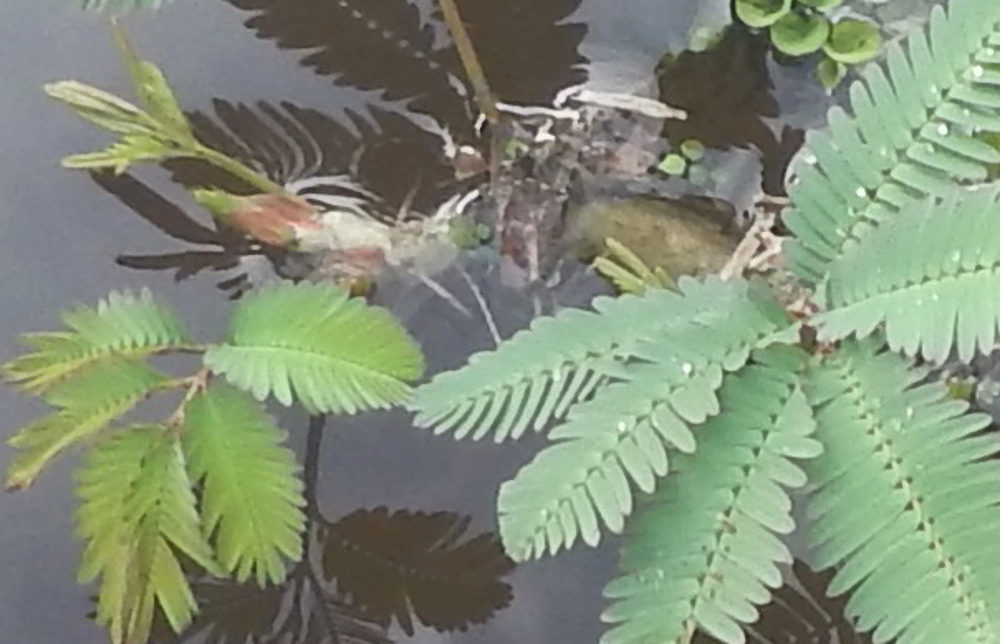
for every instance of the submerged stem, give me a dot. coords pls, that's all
(241, 171)
(474, 70)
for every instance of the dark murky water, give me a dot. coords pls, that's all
(377, 480)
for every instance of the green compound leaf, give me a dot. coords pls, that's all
(853, 41)
(87, 402)
(931, 277)
(703, 551)
(798, 34)
(122, 325)
(905, 500)
(625, 430)
(536, 375)
(252, 497)
(762, 13)
(914, 132)
(313, 343)
(137, 513)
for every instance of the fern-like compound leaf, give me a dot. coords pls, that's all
(537, 374)
(123, 324)
(912, 134)
(137, 514)
(933, 278)
(313, 343)
(625, 430)
(86, 403)
(704, 551)
(906, 500)
(121, 6)
(251, 494)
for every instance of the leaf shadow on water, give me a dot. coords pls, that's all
(729, 98)
(801, 613)
(527, 50)
(360, 576)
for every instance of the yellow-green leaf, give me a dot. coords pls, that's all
(137, 512)
(87, 402)
(252, 497)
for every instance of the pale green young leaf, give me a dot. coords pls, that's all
(122, 325)
(103, 108)
(627, 429)
(704, 550)
(251, 495)
(314, 344)
(132, 148)
(137, 512)
(153, 91)
(87, 402)
(905, 504)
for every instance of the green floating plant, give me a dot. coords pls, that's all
(853, 41)
(801, 28)
(799, 34)
(682, 162)
(762, 13)
(213, 483)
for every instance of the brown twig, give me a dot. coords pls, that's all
(195, 385)
(467, 53)
(747, 248)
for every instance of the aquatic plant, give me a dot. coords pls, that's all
(684, 419)
(803, 27)
(212, 485)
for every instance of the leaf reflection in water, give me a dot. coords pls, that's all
(801, 612)
(528, 50)
(358, 575)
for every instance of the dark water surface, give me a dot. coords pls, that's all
(59, 235)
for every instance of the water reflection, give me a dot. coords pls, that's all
(361, 578)
(729, 97)
(801, 612)
(527, 50)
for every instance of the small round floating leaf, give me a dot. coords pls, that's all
(820, 5)
(693, 149)
(798, 34)
(762, 13)
(673, 164)
(830, 72)
(853, 41)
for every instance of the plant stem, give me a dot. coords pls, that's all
(310, 470)
(195, 384)
(467, 53)
(310, 475)
(240, 171)
(182, 348)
